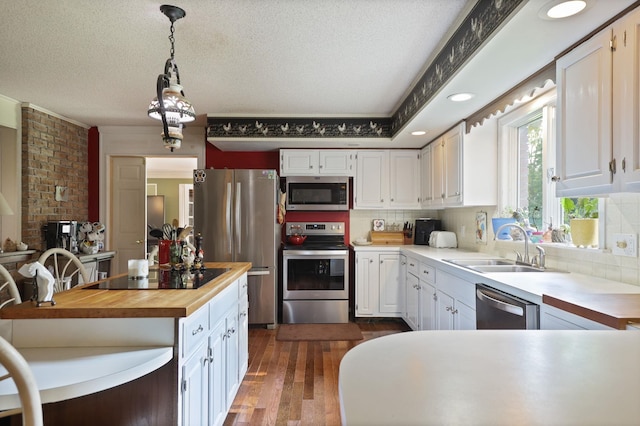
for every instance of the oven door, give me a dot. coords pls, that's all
(315, 274)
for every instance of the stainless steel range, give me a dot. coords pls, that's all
(316, 274)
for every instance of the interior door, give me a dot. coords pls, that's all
(128, 214)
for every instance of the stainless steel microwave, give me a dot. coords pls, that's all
(317, 193)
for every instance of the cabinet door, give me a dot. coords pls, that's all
(389, 294)
(243, 338)
(426, 178)
(336, 162)
(366, 283)
(372, 179)
(626, 105)
(402, 284)
(464, 317)
(413, 302)
(437, 173)
(452, 143)
(427, 306)
(444, 309)
(195, 387)
(298, 162)
(404, 179)
(584, 129)
(217, 375)
(231, 347)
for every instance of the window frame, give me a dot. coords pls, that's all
(508, 176)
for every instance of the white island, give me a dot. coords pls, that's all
(493, 377)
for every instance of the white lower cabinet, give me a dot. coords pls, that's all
(378, 292)
(213, 357)
(411, 314)
(455, 304)
(552, 318)
(437, 300)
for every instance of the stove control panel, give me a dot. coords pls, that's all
(315, 228)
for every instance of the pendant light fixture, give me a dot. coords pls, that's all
(170, 105)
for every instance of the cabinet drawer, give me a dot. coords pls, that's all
(413, 267)
(195, 328)
(427, 273)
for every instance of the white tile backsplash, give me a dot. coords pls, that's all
(360, 221)
(622, 215)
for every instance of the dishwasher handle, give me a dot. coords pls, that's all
(499, 304)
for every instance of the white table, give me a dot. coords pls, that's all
(65, 373)
(492, 377)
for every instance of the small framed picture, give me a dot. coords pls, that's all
(378, 224)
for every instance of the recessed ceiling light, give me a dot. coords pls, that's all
(558, 9)
(460, 97)
(419, 133)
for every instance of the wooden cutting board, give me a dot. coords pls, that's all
(613, 310)
(387, 237)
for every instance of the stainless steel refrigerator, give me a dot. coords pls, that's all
(236, 213)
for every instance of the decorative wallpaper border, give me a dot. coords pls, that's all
(299, 127)
(485, 18)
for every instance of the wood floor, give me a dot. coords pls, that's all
(296, 383)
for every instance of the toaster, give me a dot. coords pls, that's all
(443, 239)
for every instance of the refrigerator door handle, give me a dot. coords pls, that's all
(228, 236)
(238, 222)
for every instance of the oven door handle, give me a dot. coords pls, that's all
(499, 304)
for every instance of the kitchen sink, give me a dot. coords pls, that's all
(505, 268)
(480, 262)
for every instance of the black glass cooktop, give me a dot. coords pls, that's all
(162, 279)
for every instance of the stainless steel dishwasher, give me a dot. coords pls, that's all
(497, 310)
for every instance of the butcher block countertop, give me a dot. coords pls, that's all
(102, 303)
(613, 310)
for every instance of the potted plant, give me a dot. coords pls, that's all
(583, 220)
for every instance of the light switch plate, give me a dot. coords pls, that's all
(625, 245)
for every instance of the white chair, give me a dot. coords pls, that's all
(65, 266)
(7, 282)
(18, 370)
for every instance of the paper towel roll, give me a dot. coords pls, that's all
(138, 269)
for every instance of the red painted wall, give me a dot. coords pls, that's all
(240, 159)
(93, 174)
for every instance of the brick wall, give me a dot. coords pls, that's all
(54, 153)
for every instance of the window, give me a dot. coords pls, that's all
(526, 153)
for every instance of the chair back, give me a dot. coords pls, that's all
(17, 369)
(65, 265)
(7, 282)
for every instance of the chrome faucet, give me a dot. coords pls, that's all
(526, 239)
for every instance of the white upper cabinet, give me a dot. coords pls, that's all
(626, 106)
(299, 162)
(315, 162)
(584, 129)
(598, 110)
(462, 170)
(336, 162)
(387, 179)
(404, 179)
(426, 178)
(372, 180)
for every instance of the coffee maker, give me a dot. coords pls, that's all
(423, 229)
(62, 234)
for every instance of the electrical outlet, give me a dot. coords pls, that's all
(625, 245)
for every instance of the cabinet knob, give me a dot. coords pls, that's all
(555, 178)
(392, 199)
(370, 260)
(426, 272)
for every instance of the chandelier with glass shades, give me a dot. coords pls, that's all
(170, 105)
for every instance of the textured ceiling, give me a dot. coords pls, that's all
(96, 62)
